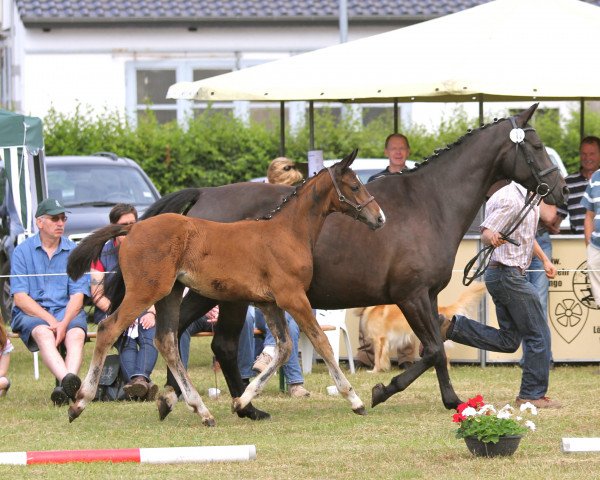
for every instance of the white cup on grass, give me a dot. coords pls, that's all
(332, 390)
(214, 392)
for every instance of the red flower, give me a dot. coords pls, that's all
(476, 402)
(457, 418)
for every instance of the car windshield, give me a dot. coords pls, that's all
(98, 185)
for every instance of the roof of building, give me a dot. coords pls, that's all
(98, 12)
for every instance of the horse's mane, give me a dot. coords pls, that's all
(285, 200)
(440, 151)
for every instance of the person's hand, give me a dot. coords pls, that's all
(496, 239)
(60, 333)
(148, 320)
(550, 269)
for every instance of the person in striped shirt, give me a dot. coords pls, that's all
(591, 203)
(518, 308)
(589, 159)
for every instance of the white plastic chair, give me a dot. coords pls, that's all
(337, 319)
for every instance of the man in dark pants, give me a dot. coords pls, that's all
(518, 307)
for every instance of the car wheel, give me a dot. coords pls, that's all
(6, 300)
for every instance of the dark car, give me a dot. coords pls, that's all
(88, 186)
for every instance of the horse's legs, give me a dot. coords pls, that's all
(192, 307)
(297, 304)
(167, 319)
(419, 312)
(275, 318)
(225, 347)
(108, 332)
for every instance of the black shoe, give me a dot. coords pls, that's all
(71, 383)
(59, 397)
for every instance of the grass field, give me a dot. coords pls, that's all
(410, 436)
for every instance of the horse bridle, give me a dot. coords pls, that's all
(357, 206)
(517, 136)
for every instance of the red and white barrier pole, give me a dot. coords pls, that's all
(136, 455)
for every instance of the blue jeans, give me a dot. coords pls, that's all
(291, 369)
(539, 279)
(138, 355)
(520, 318)
(245, 346)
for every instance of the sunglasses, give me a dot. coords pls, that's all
(287, 168)
(57, 218)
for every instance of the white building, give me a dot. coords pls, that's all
(123, 54)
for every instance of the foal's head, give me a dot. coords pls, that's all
(352, 196)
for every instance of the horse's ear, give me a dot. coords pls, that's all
(526, 115)
(348, 159)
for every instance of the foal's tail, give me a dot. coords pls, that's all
(90, 247)
(176, 202)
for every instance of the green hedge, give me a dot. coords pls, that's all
(217, 148)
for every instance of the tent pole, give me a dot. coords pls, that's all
(482, 307)
(581, 119)
(480, 110)
(311, 125)
(396, 116)
(282, 129)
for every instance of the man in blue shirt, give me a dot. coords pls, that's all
(48, 305)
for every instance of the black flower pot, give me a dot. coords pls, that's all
(507, 445)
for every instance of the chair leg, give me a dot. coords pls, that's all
(36, 366)
(349, 350)
(307, 352)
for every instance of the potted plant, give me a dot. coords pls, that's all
(488, 432)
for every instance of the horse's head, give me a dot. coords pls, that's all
(352, 195)
(531, 166)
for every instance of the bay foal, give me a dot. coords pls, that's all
(268, 262)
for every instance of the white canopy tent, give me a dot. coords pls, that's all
(502, 50)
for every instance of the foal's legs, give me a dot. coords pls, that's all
(299, 307)
(108, 332)
(192, 307)
(422, 315)
(167, 320)
(278, 325)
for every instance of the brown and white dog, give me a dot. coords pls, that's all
(387, 327)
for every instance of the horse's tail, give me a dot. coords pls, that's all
(176, 202)
(114, 289)
(90, 247)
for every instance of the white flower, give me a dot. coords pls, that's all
(486, 408)
(503, 414)
(519, 418)
(529, 406)
(469, 412)
(530, 425)
(507, 409)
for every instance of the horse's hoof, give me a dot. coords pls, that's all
(253, 413)
(360, 410)
(73, 413)
(165, 402)
(378, 395)
(209, 422)
(236, 405)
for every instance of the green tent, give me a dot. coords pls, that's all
(22, 159)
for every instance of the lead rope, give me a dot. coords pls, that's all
(486, 252)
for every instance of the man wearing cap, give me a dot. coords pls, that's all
(48, 305)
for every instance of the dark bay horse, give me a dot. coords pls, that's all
(428, 211)
(268, 262)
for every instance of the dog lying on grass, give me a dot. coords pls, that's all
(387, 328)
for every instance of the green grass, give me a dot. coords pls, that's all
(410, 436)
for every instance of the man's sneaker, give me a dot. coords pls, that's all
(59, 397)
(262, 361)
(152, 391)
(543, 402)
(137, 388)
(71, 383)
(298, 391)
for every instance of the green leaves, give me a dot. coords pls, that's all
(489, 428)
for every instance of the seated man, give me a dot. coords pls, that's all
(48, 305)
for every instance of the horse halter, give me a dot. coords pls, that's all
(517, 136)
(357, 206)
